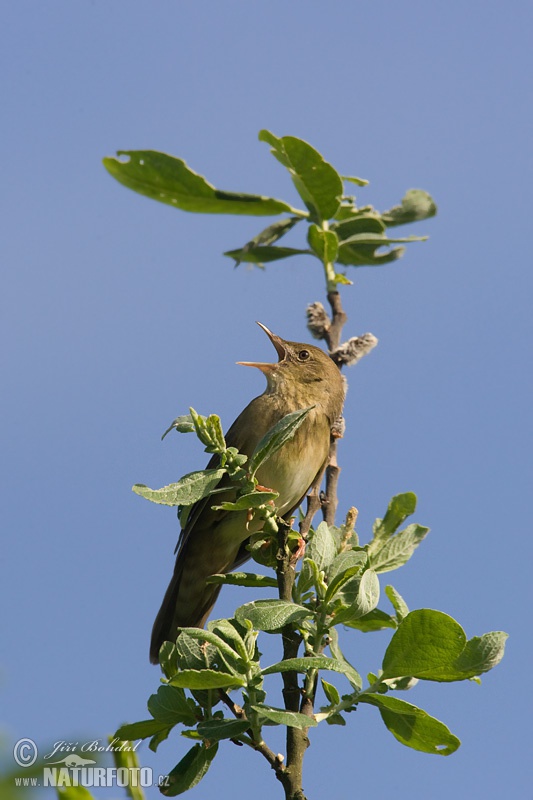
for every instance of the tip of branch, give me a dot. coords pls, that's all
(318, 322)
(354, 349)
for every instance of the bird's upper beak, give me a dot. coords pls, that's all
(280, 349)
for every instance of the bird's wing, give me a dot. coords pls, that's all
(244, 436)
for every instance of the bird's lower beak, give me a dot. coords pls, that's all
(280, 349)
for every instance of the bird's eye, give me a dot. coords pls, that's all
(303, 355)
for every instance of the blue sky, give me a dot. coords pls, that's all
(119, 313)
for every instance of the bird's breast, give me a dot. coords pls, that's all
(292, 470)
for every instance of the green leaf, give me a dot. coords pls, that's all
(399, 549)
(331, 692)
(366, 255)
(263, 254)
(141, 730)
(400, 507)
(169, 180)
(432, 646)
(321, 547)
(159, 737)
(276, 437)
(350, 671)
(375, 620)
(183, 424)
(216, 729)
(273, 232)
(365, 600)
(279, 716)
(209, 431)
(308, 576)
(128, 759)
(345, 560)
(243, 579)
(335, 719)
(193, 653)
(188, 490)
(168, 658)
(271, 615)
(361, 233)
(412, 726)
(233, 634)
(305, 664)
(482, 653)
(316, 181)
(368, 596)
(399, 604)
(170, 705)
(190, 770)
(213, 639)
(356, 223)
(324, 244)
(378, 240)
(341, 580)
(353, 179)
(206, 679)
(246, 501)
(416, 205)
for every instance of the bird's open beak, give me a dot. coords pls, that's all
(280, 349)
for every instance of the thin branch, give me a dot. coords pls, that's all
(333, 334)
(313, 504)
(297, 740)
(275, 761)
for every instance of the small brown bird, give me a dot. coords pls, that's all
(215, 541)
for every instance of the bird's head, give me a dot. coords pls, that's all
(304, 374)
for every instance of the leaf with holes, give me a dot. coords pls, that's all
(169, 180)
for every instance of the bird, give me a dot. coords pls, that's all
(214, 541)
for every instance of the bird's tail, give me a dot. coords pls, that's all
(181, 609)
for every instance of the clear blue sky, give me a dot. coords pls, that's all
(119, 313)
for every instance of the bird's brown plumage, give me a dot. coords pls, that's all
(214, 541)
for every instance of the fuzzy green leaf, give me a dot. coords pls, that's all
(412, 726)
(182, 424)
(375, 620)
(271, 615)
(350, 671)
(365, 600)
(322, 546)
(400, 507)
(246, 501)
(305, 664)
(399, 549)
(216, 729)
(279, 716)
(399, 604)
(331, 692)
(190, 770)
(205, 679)
(188, 490)
(432, 646)
(170, 705)
(416, 205)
